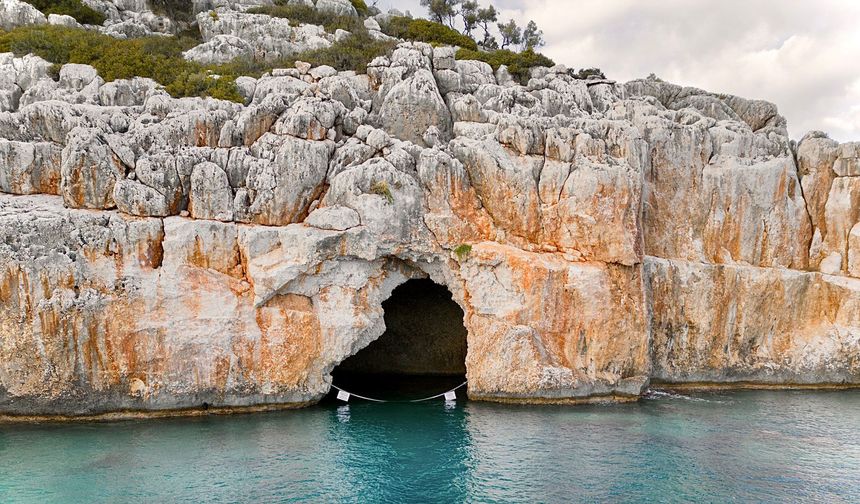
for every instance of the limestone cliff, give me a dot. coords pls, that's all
(161, 253)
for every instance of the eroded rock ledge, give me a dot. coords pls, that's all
(157, 254)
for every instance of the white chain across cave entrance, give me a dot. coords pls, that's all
(422, 352)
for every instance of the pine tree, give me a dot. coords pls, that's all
(442, 11)
(486, 18)
(532, 37)
(511, 34)
(469, 13)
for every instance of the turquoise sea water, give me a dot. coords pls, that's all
(741, 446)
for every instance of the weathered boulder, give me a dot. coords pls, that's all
(29, 168)
(157, 189)
(310, 118)
(283, 188)
(414, 105)
(211, 196)
(89, 170)
(339, 7)
(63, 20)
(334, 218)
(14, 13)
(270, 37)
(220, 49)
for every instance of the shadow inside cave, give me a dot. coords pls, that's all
(421, 353)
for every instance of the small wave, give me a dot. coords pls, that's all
(665, 394)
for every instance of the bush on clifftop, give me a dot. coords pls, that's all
(159, 58)
(303, 14)
(82, 13)
(178, 10)
(519, 64)
(422, 30)
(353, 53)
(360, 7)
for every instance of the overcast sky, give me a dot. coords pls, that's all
(802, 55)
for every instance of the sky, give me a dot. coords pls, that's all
(802, 55)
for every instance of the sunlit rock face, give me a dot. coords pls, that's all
(160, 253)
(741, 324)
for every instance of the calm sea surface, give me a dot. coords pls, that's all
(742, 446)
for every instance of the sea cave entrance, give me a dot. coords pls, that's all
(421, 353)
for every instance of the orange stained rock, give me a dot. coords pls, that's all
(290, 341)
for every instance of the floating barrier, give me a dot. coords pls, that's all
(450, 395)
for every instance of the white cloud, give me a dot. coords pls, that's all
(800, 55)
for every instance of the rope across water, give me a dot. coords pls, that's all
(409, 401)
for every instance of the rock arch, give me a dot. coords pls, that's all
(424, 343)
(377, 283)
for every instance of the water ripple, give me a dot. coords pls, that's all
(758, 446)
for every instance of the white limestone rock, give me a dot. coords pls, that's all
(211, 197)
(63, 20)
(283, 187)
(89, 170)
(333, 218)
(220, 49)
(414, 105)
(29, 168)
(339, 7)
(15, 13)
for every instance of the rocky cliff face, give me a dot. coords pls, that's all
(159, 253)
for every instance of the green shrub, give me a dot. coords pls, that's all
(353, 53)
(303, 14)
(360, 7)
(585, 73)
(422, 30)
(159, 58)
(179, 10)
(518, 64)
(462, 252)
(381, 188)
(82, 13)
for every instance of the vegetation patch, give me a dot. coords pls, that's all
(381, 188)
(178, 10)
(462, 252)
(82, 13)
(422, 30)
(159, 58)
(304, 14)
(353, 53)
(519, 64)
(585, 73)
(361, 8)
